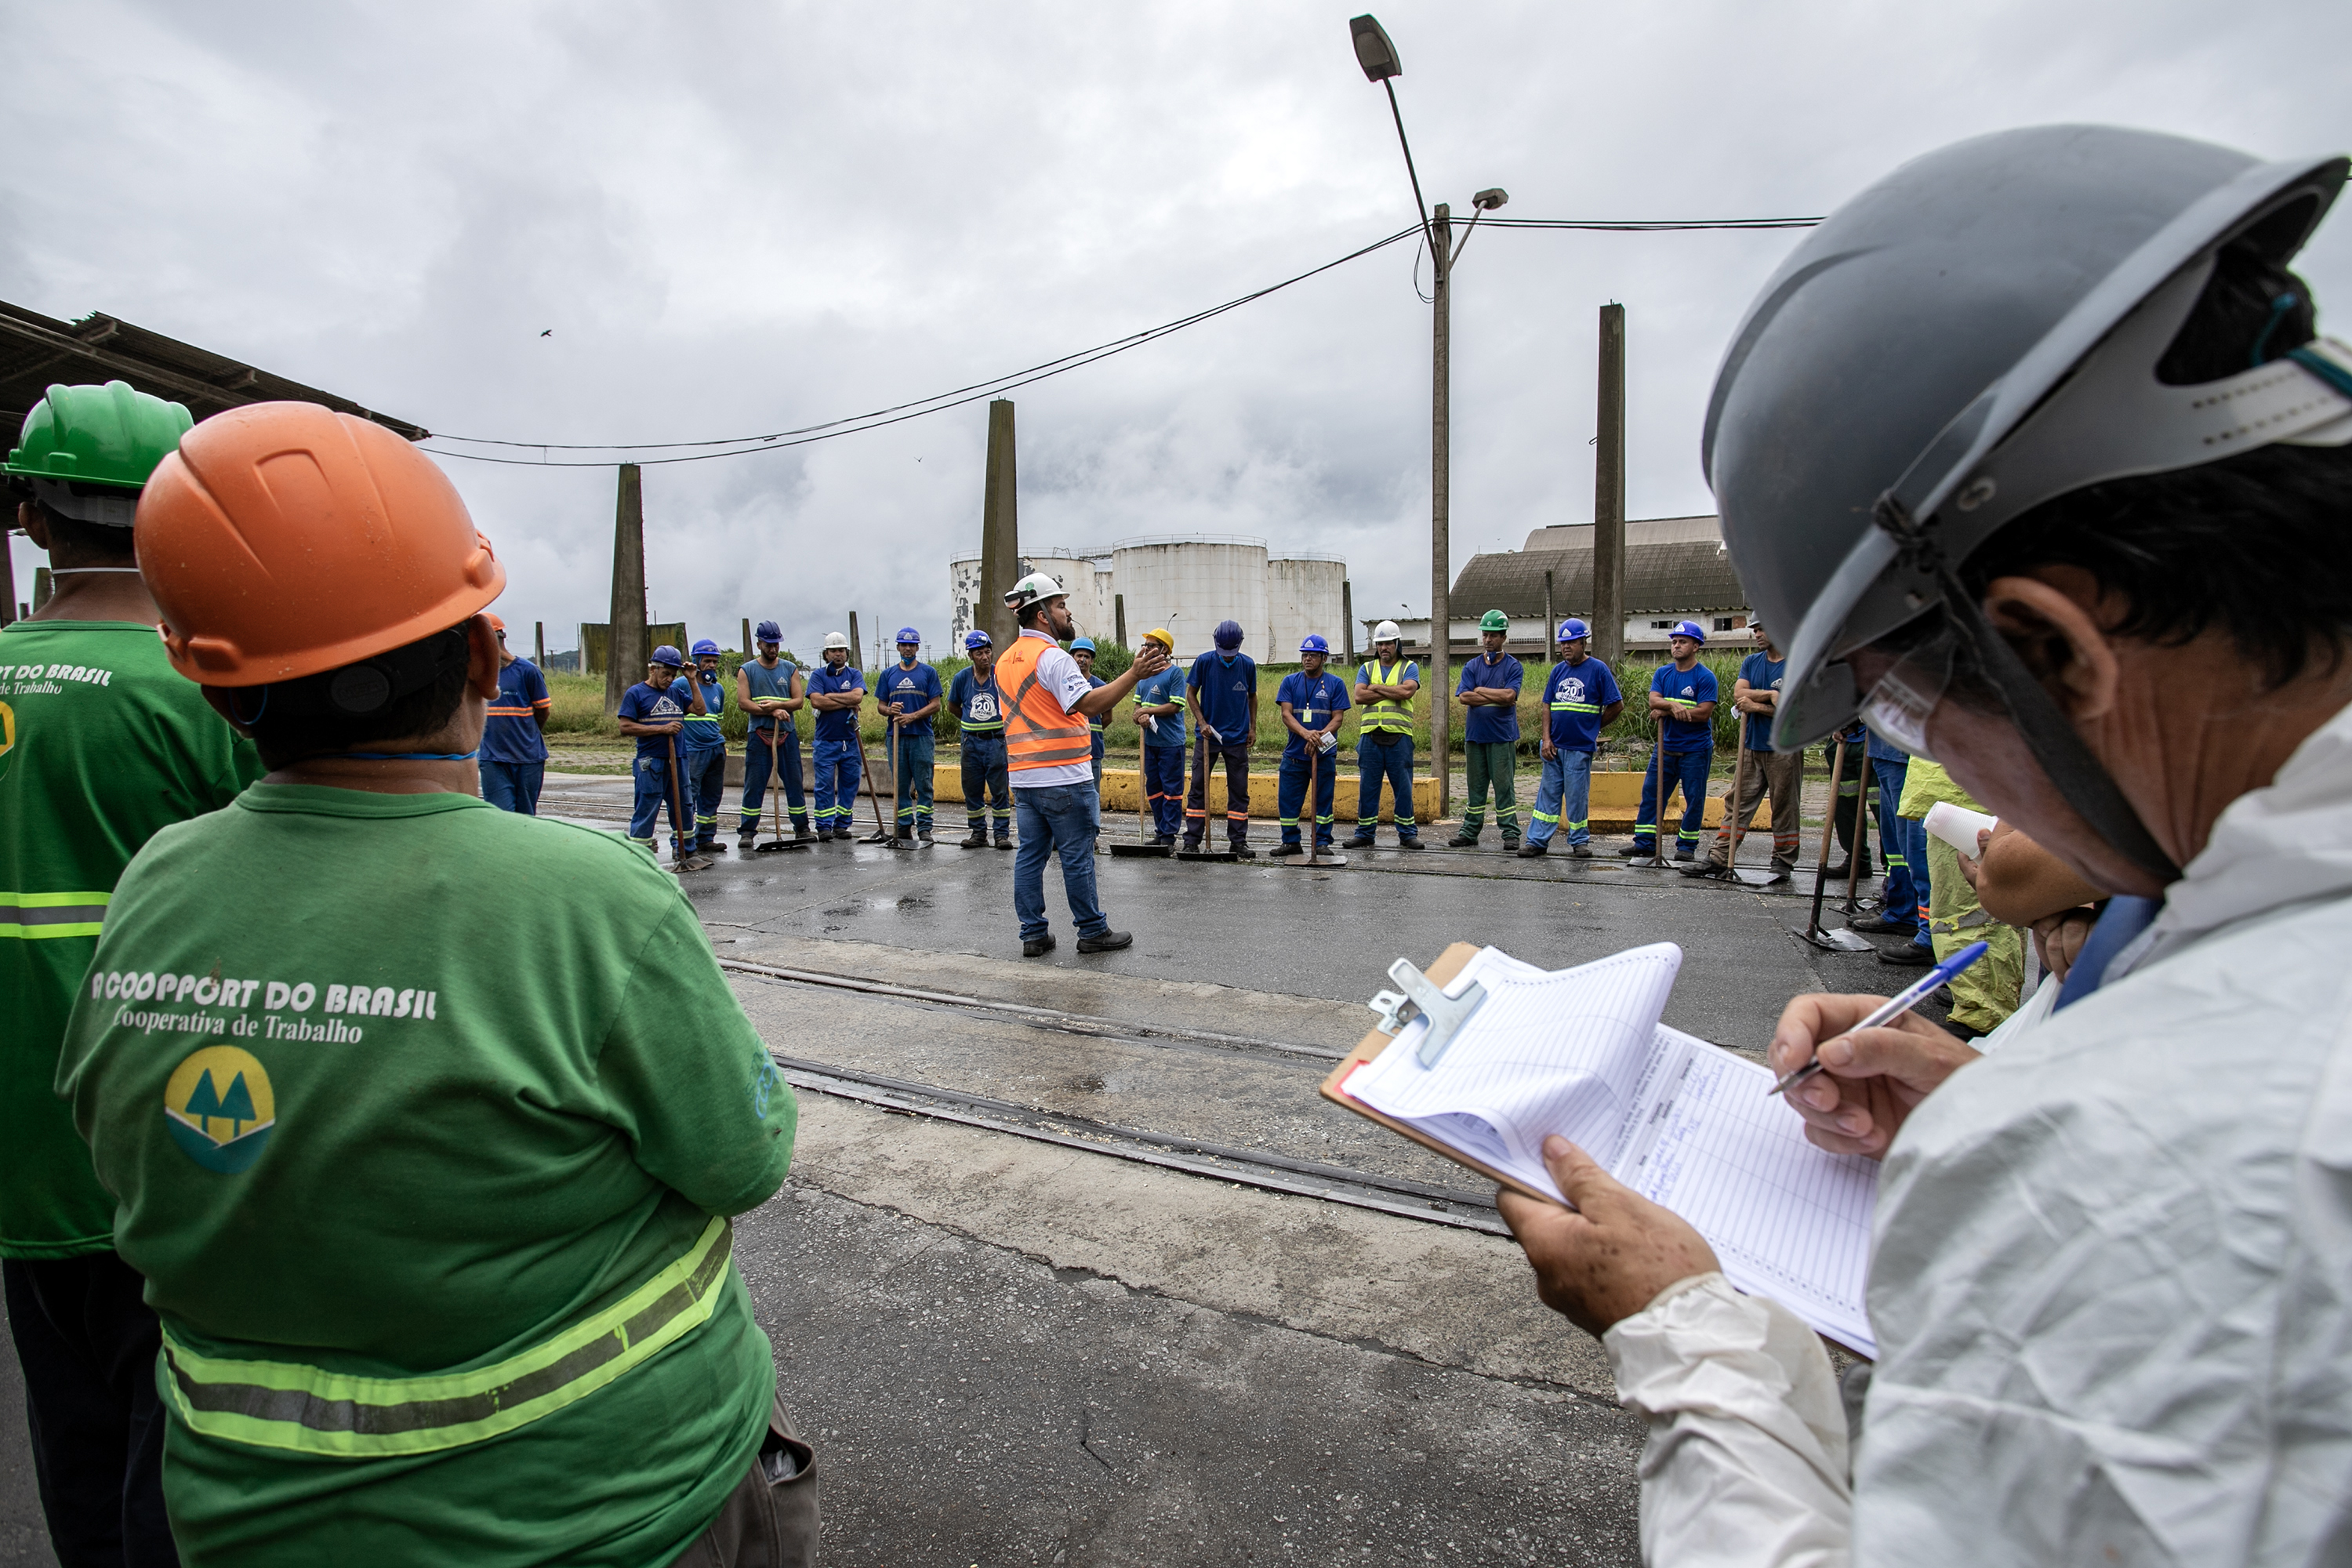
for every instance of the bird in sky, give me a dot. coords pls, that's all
(549, 333)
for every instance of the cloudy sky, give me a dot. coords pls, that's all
(605, 222)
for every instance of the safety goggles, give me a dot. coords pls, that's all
(1899, 703)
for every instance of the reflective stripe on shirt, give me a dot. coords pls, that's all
(31, 916)
(283, 1405)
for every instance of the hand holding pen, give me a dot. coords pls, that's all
(1870, 1075)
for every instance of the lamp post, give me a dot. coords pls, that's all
(1378, 57)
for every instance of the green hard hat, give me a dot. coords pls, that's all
(90, 449)
(1494, 621)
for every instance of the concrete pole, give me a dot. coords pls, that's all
(1550, 649)
(1609, 493)
(1440, 674)
(538, 643)
(41, 586)
(1347, 617)
(747, 637)
(1118, 619)
(625, 636)
(857, 650)
(1000, 531)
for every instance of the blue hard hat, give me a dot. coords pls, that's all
(668, 655)
(1085, 643)
(705, 645)
(1313, 642)
(1689, 629)
(1572, 629)
(1228, 635)
(977, 639)
(908, 634)
(768, 631)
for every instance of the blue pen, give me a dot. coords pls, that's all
(1896, 1005)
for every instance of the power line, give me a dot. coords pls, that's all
(850, 425)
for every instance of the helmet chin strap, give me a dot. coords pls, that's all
(2079, 776)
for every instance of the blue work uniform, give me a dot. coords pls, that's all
(1313, 698)
(1901, 842)
(1685, 753)
(837, 765)
(1384, 752)
(1164, 751)
(774, 748)
(702, 758)
(1490, 737)
(1096, 724)
(1225, 686)
(979, 712)
(1575, 697)
(514, 753)
(914, 746)
(650, 770)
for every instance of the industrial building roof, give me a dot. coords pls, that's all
(1685, 575)
(37, 352)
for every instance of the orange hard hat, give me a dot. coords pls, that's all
(283, 539)
(498, 622)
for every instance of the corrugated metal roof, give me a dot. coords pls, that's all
(1686, 577)
(37, 352)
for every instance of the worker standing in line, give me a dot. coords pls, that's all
(1310, 702)
(702, 746)
(980, 713)
(1160, 723)
(1780, 775)
(837, 692)
(1580, 700)
(908, 694)
(1683, 696)
(105, 746)
(771, 691)
(1386, 684)
(1489, 688)
(1853, 832)
(514, 745)
(1903, 892)
(1221, 694)
(1047, 703)
(654, 710)
(438, 1239)
(1083, 650)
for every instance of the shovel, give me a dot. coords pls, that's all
(1141, 847)
(1316, 855)
(882, 834)
(1839, 941)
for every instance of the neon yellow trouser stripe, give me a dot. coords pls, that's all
(274, 1405)
(34, 916)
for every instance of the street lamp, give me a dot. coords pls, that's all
(1378, 57)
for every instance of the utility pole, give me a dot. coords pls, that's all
(1000, 531)
(1550, 646)
(747, 637)
(1609, 492)
(538, 643)
(624, 638)
(1347, 616)
(857, 649)
(1441, 544)
(1118, 619)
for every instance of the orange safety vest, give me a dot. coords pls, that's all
(1037, 732)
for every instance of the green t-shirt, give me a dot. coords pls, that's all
(102, 743)
(428, 1084)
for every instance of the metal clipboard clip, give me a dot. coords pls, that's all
(1421, 997)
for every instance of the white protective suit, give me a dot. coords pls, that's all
(2112, 1276)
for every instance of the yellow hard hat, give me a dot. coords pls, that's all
(1161, 636)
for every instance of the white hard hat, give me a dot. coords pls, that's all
(1031, 589)
(1387, 632)
(836, 640)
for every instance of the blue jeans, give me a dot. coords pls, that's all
(1384, 757)
(837, 769)
(651, 776)
(1904, 892)
(787, 771)
(1062, 817)
(913, 765)
(986, 781)
(513, 786)
(1564, 798)
(1291, 794)
(1688, 770)
(1163, 786)
(705, 772)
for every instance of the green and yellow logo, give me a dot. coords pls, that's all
(219, 1108)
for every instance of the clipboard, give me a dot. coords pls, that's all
(1449, 965)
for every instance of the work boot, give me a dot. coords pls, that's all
(1192, 846)
(1510, 843)
(923, 838)
(976, 839)
(1286, 849)
(1464, 840)
(1580, 851)
(1106, 942)
(1005, 844)
(1706, 869)
(1907, 955)
(743, 842)
(1882, 924)
(1635, 852)
(1164, 841)
(1409, 841)
(825, 836)
(801, 833)
(1361, 841)
(1685, 854)
(1531, 850)
(1038, 946)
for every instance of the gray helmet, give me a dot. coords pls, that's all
(1977, 334)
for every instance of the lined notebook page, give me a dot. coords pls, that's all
(1786, 1219)
(1546, 1052)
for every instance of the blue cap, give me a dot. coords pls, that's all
(1228, 635)
(1689, 629)
(768, 631)
(977, 639)
(705, 645)
(908, 634)
(668, 655)
(1085, 643)
(1313, 642)
(1572, 630)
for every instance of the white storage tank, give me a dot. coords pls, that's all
(1190, 584)
(1303, 595)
